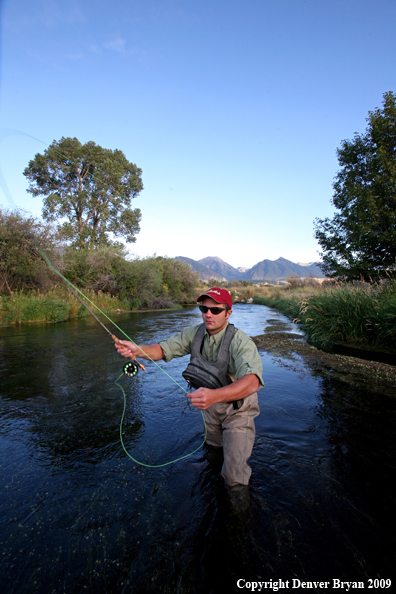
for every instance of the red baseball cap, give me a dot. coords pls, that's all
(218, 295)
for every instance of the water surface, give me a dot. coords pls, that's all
(77, 515)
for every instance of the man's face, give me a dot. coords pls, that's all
(214, 323)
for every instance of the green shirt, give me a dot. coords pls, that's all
(244, 357)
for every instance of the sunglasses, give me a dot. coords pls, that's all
(213, 310)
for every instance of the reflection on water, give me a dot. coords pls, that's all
(77, 515)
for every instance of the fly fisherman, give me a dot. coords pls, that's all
(225, 370)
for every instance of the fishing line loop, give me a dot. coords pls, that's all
(143, 463)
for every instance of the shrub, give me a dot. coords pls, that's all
(44, 310)
(21, 264)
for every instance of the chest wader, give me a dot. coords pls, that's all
(201, 373)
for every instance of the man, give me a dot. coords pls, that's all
(226, 369)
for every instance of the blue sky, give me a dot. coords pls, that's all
(233, 109)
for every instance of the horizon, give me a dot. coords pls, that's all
(250, 267)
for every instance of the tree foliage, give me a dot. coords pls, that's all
(21, 265)
(360, 240)
(89, 189)
(152, 283)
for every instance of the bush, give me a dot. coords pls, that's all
(45, 310)
(151, 283)
(21, 264)
(94, 269)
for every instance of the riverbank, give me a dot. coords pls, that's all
(55, 305)
(361, 315)
(376, 377)
(60, 305)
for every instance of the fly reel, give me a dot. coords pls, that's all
(131, 368)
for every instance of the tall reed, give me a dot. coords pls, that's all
(354, 314)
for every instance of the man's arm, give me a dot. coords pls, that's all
(203, 398)
(153, 352)
(177, 345)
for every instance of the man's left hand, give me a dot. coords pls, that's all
(202, 398)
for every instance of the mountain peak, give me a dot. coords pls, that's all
(211, 258)
(218, 265)
(266, 270)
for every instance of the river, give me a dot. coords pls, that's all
(77, 515)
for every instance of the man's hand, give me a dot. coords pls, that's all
(127, 348)
(202, 398)
(153, 352)
(245, 386)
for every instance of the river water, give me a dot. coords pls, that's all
(77, 515)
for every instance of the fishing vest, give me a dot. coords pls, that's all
(201, 373)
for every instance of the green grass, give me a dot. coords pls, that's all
(56, 305)
(357, 315)
(286, 304)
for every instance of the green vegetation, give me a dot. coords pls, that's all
(21, 266)
(287, 304)
(55, 305)
(360, 241)
(109, 281)
(33, 308)
(30, 291)
(148, 283)
(356, 314)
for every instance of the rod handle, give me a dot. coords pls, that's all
(116, 340)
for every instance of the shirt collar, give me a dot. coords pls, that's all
(216, 337)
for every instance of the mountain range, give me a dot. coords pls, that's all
(266, 270)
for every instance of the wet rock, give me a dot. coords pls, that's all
(289, 347)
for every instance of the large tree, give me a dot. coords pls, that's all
(88, 189)
(360, 240)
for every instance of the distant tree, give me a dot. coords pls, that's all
(21, 265)
(215, 282)
(88, 189)
(295, 281)
(360, 240)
